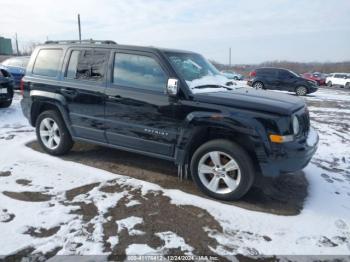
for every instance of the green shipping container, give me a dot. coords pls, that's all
(5, 46)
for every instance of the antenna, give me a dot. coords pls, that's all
(79, 27)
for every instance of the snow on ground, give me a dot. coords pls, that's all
(57, 206)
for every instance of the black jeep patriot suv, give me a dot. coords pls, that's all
(168, 104)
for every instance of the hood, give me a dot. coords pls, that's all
(251, 99)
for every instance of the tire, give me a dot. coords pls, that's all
(301, 91)
(241, 177)
(258, 85)
(51, 130)
(347, 85)
(5, 104)
(329, 83)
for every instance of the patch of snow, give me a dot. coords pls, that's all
(133, 203)
(172, 240)
(128, 223)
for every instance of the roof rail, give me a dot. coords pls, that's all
(88, 41)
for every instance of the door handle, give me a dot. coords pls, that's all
(115, 98)
(69, 92)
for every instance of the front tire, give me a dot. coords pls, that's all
(222, 169)
(6, 104)
(52, 133)
(301, 91)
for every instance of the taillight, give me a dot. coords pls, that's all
(252, 74)
(21, 87)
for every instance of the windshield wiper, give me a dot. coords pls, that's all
(212, 86)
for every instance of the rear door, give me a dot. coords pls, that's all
(83, 87)
(139, 114)
(269, 77)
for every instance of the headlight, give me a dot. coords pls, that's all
(296, 125)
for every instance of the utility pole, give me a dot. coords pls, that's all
(17, 44)
(229, 57)
(79, 27)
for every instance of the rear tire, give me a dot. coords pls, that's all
(329, 83)
(301, 91)
(52, 133)
(218, 179)
(6, 104)
(347, 85)
(258, 85)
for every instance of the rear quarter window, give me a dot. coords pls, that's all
(47, 62)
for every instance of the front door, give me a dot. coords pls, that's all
(139, 115)
(286, 80)
(83, 87)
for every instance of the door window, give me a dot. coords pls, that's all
(138, 71)
(284, 75)
(87, 65)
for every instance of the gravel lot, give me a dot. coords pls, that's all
(105, 202)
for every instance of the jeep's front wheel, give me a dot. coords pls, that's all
(222, 169)
(52, 133)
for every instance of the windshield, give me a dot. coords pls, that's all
(198, 72)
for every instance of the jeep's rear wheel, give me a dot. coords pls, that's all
(52, 133)
(222, 169)
(329, 83)
(301, 91)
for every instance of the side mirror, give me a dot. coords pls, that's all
(172, 87)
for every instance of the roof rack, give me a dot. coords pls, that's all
(88, 41)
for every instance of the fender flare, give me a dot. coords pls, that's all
(196, 122)
(40, 98)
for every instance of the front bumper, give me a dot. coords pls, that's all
(292, 156)
(312, 89)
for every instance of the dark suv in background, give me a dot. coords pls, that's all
(281, 79)
(168, 104)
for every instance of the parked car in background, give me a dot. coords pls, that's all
(17, 67)
(6, 88)
(169, 104)
(281, 79)
(232, 75)
(318, 77)
(338, 79)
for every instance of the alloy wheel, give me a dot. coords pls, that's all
(258, 85)
(219, 172)
(50, 133)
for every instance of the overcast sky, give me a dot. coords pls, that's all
(257, 30)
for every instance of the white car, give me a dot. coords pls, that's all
(341, 79)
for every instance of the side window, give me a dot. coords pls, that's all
(47, 62)
(138, 71)
(284, 74)
(87, 64)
